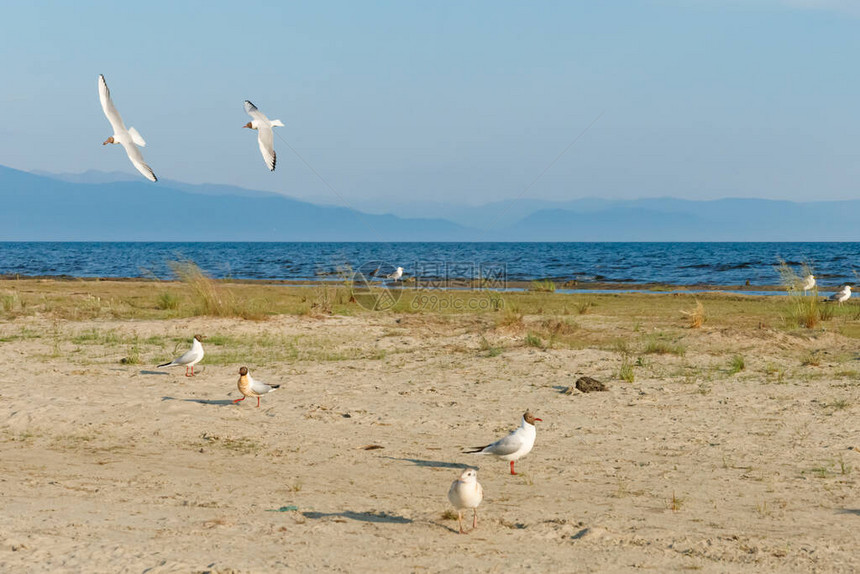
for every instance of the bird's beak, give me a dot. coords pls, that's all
(537, 419)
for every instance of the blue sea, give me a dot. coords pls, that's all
(630, 263)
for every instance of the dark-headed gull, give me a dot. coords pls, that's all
(466, 492)
(265, 135)
(251, 388)
(190, 358)
(514, 446)
(127, 138)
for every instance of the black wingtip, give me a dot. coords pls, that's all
(164, 365)
(275, 386)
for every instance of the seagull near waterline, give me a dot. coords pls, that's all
(252, 388)
(129, 138)
(808, 283)
(466, 492)
(190, 358)
(265, 135)
(514, 446)
(398, 273)
(842, 296)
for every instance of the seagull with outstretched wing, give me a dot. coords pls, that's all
(129, 138)
(265, 135)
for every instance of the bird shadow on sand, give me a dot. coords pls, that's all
(854, 511)
(154, 373)
(216, 402)
(383, 517)
(433, 463)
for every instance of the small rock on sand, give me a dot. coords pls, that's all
(587, 385)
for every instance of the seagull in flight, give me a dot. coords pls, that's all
(129, 138)
(265, 135)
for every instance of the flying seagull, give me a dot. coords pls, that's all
(129, 138)
(265, 135)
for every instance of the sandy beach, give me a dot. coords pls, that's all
(733, 449)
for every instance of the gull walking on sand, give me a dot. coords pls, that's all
(252, 388)
(808, 283)
(190, 358)
(514, 446)
(265, 135)
(842, 296)
(466, 492)
(128, 138)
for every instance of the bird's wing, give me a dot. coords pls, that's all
(137, 159)
(107, 106)
(266, 139)
(252, 111)
(504, 446)
(186, 358)
(260, 387)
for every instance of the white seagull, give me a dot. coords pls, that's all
(398, 273)
(251, 388)
(127, 138)
(842, 296)
(466, 492)
(808, 283)
(514, 446)
(190, 358)
(265, 135)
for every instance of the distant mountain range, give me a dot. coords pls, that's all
(99, 206)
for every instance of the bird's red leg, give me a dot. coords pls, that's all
(237, 400)
(512, 467)
(258, 402)
(460, 521)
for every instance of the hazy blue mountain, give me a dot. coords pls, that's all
(107, 206)
(38, 208)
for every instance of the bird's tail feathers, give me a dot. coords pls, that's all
(136, 137)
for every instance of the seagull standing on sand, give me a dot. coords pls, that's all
(251, 388)
(466, 492)
(808, 283)
(265, 135)
(190, 358)
(514, 446)
(842, 296)
(127, 138)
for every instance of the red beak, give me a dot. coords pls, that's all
(537, 419)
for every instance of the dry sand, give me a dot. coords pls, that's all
(124, 468)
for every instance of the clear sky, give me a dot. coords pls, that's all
(462, 102)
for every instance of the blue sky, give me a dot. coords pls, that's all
(460, 102)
